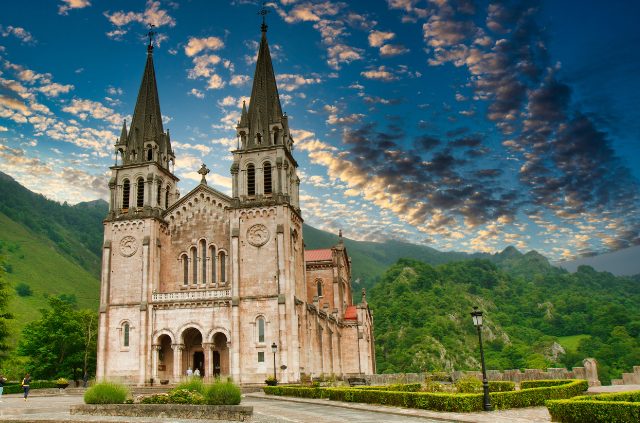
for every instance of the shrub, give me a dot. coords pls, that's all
(62, 381)
(437, 401)
(106, 393)
(529, 384)
(192, 383)
(23, 290)
(152, 399)
(40, 384)
(499, 386)
(223, 393)
(184, 396)
(469, 384)
(619, 407)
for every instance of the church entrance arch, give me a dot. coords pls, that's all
(165, 358)
(219, 355)
(193, 353)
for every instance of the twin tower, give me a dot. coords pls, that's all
(215, 282)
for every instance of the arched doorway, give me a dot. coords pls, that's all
(219, 355)
(165, 358)
(193, 353)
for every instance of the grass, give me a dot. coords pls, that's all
(192, 383)
(35, 262)
(570, 343)
(106, 393)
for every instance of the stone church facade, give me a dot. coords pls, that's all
(210, 281)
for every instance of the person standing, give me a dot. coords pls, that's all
(196, 372)
(189, 372)
(85, 378)
(2, 381)
(25, 386)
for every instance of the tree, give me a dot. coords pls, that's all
(24, 290)
(61, 340)
(5, 317)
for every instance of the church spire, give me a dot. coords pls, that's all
(265, 101)
(123, 134)
(146, 123)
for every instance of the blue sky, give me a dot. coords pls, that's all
(462, 125)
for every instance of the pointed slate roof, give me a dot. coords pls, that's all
(264, 106)
(146, 123)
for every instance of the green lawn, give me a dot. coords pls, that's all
(571, 342)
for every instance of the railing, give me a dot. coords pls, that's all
(190, 295)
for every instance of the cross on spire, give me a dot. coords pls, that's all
(150, 34)
(263, 12)
(203, 171)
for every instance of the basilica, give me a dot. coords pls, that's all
(219, 283)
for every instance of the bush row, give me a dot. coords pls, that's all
(619, 407)
(545, 383)
(403, 387)
(40, 384)
(502, 386)
(437, 401)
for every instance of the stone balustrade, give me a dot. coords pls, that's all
(167, 297)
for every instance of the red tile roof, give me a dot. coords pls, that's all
(318, 255)
(351, 313)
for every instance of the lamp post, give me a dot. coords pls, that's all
(274, 348)
(476, 315)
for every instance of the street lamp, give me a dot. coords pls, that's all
(476, 315)
(274, 348)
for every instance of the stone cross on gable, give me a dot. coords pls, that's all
(203, 171)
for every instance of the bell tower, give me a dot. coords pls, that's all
(267, 251)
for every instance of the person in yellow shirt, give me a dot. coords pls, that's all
(25, 386)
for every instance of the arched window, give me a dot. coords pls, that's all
(126, 189)
(222, 267)
(213, 264)
(261, 330)
(126, 335)
(149, 154)
(166, 198)
(194, 253)
(140, 202)
(319, 284)
(267, 178)
(185, 263)
(159, 193)
(251, 180)
(203, 248)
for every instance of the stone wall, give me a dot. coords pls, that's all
(209, 412)
(628, 378)
(516, 376)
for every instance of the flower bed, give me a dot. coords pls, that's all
(438, 401)
(620, 407)
(177, 411)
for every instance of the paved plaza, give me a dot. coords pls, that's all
(268, 409)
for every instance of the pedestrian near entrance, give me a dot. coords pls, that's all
(197, 372)
(2, 381)
(25, 386)
(85, 378)
(189, 372)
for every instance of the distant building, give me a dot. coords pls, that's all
(209, 281)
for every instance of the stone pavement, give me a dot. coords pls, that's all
(268, 409)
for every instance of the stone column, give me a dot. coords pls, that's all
(143, 350)
(177, 361)
(234, 350)
(156, 350)
(208, 359)
(279, 166)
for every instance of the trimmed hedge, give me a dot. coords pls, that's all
(437, 401)
(39, 384)
(619, 407)
(406, 387)
(502, 386)
(545, 383)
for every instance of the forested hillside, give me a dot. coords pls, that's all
(422, 322)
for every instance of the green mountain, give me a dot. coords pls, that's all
(371, 259)
(422, 322)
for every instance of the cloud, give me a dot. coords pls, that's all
(289, 82)
(53, 90)
(383, 74)
(196, 93)
(196, 45)
(342, 53)
(392, 50)
(310, 12)
(95, 109)
(72, 4)
(151, 15)
(378, 38)
(20, 33)
(239, 80)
